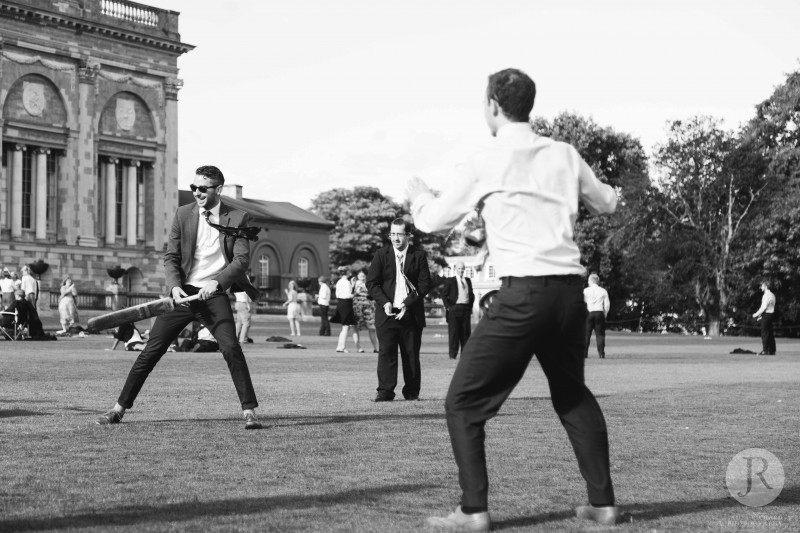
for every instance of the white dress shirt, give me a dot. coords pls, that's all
(344, 289)
(767, 303)
(324, 296)
(463, 290)
(531, 186)
(208, 259)
(400, 289)
(596, 298)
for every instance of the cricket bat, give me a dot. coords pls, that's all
(136, 313)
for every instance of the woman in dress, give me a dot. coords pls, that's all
(344, 308)
(67, 310)
(364, 308)
(292, 309)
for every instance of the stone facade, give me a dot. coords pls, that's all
(88, 93)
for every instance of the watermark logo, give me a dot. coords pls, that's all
(754, 477)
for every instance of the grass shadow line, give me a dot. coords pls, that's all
(129, 515)
(11, 413)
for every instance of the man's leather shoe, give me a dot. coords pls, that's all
(250, 422)
(412, 398)
(458, 521)
(766, 353)
(607, 516)
(108, 418)
(383, 398)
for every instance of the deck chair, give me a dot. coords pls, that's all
(15, 331)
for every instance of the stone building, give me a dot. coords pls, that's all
(89, 129)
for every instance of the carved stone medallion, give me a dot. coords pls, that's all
(33, 98)
(126, 114)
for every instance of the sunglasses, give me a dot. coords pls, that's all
(202, 188)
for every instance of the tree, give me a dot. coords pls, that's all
(606, 242)
(709, 185)
(362, 217)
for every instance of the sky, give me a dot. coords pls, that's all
(291, 98)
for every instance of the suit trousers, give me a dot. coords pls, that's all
(767, 333)
(459, 327)
(596, 321)
(324, 323)
(543, 316)
(214, 313)
(406, 335)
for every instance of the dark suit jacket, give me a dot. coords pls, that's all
(236, 250)
(450, 292)
(381, 282)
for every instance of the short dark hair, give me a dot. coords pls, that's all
(402, 222)
(514, 91)
(212, 173)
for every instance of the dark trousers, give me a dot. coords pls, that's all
(406, 335)
(596, 321)
(217, 316)
(459, 327)
(545, 316)
(324, 324)
(767, 333)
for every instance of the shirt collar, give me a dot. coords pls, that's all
(399, 254)
(514, 129)
(214, 210)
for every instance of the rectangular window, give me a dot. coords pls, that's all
(263, 274)
(119, 201)
(52, 191)
(27, 190)
(302, 268)
(491, 272)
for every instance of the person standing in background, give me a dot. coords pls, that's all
(344, 308)
(30, 286)
(766, 313)
(324, 302)
(292, 309)
(597, 304)
(67, 308)
(7, 288)
(243, 308)
(458, 298)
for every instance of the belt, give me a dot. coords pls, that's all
(567, 279)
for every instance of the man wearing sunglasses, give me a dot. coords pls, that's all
(208, 253)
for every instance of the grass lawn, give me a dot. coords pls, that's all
(678, 410)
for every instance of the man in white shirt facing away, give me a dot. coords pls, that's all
(766, 313)
(324, 302)
(530, 187)
(598, 304)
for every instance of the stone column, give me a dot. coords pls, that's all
(16, 191)
(41, 193)
(164, 206)
(131, 207)
(80, 219)
(111, 200)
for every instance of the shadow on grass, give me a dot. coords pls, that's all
(11, 413)
(127, 515)
(651, 511)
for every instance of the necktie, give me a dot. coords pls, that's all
(249, 232)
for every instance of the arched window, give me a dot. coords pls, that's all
(302, 268)
(263, 268)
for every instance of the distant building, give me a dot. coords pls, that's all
(89, 129)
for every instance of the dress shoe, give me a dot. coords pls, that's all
(607, 516)
(414, 398)
(250, 422)
(342, 351)
(766, 353)
(458, 521)
(383, 398)
(108, 418)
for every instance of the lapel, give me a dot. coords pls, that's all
(192, 229)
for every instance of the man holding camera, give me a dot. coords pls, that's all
(398, 280)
